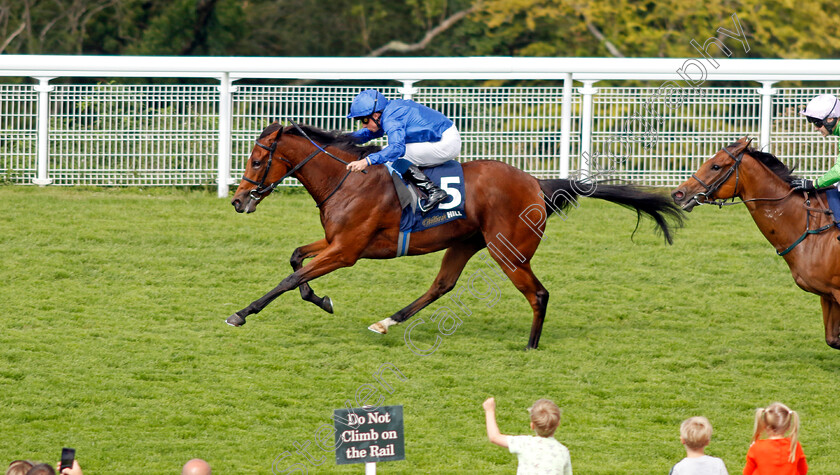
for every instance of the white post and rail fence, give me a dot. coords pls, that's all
(656, 119)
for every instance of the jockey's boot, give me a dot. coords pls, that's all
(435, 193)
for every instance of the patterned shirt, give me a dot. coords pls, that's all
(540, 455)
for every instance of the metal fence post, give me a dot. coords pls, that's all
(408, 90)
(225, 131)
(566, 125)
(43, 123)
(586, 117)
(766, 122)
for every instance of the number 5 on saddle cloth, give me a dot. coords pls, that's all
(450, 177)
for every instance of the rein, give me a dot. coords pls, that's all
(261, 191)
(711, 189)
(808, 231)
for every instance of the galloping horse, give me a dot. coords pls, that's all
(360, 215)
(804, 236)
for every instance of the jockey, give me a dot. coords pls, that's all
(417, 136)
(823, 111)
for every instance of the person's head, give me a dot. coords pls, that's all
(823, 111)
(41, 469)
(19, 467)
(776, 420)
(367, 107)
(196, 467)
(545, 417)
(695, 432)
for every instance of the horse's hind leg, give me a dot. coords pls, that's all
(453, 263)
(527, 283)
(306, 292)
(523, 278)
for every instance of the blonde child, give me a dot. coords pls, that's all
(537, 455)
(776, 454)
(695, 435)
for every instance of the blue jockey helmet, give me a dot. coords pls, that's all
(366, 103)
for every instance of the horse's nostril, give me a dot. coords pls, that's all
(235, 203)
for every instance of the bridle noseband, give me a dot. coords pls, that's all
(715, 186)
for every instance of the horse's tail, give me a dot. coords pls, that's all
(560, 194)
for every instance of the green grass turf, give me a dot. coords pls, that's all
(113, 340)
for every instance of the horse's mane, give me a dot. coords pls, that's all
(334, 138)
(774, 164)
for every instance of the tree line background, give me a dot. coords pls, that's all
(603, 28)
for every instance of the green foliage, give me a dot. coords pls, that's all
(641, 28)
(637, 28)
(113, 339)
(178, 29)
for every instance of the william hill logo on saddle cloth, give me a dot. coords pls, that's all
(441, 218)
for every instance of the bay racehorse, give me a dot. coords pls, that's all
(798, 225)
(360, 214)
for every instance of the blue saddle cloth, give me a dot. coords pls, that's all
(450, 177)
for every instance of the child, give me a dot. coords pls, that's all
(695, 434)
(776, 454)
(537, 455)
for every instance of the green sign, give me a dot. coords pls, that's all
(369, 435)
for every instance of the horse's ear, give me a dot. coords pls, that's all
(745, 141)
(276, 124)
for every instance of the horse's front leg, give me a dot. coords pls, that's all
(831, 319)
(335, 256)
(306, 292)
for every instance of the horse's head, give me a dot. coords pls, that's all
(716, 179)
(263, 171)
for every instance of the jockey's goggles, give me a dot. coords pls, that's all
(364, 120)
(817, 122)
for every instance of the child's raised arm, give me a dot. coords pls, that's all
(493, 433)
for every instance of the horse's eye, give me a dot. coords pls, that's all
(715, 167)
(256, 164)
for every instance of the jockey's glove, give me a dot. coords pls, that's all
(803, 184)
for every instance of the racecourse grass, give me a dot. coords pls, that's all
(112, 340)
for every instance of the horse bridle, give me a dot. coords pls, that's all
(715, 186)
(262, 190)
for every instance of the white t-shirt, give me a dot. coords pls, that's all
(705, 465)
(540, 455)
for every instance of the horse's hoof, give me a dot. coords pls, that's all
(378, 327)
(235, 320)
(328, 305)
